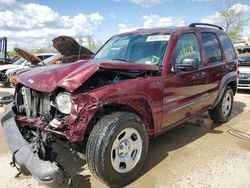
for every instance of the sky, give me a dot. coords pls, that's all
(33, 24)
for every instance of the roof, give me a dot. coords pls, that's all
(195, 26)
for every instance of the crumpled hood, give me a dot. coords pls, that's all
(71, 76)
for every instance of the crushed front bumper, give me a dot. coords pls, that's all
(45, 172)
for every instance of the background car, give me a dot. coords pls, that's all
(244, 77)
(4, 68)
(30, 60)
(10, 74)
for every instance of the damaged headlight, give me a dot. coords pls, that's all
(63, 102)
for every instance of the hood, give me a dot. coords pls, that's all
(28, 56)
(15, 69)
(9, 66)
(71, 76)
(70, 49)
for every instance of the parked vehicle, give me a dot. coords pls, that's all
(244, 77)
(137, 86)
(4, 57)
(28, 60)
(4, 68)
(10, 74)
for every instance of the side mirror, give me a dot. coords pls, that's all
(188, 64)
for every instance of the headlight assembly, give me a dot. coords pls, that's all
(63, 102)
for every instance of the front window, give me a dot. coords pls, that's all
(139, 48)
(187, 47)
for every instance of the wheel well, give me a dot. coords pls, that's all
(105, 110)
(233, 85)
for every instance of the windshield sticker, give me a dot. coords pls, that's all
(148, 62)
(154, 38)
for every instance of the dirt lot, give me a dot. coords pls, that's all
(195, 154)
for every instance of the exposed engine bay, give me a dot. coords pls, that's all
(105, 77)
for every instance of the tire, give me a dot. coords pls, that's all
(5, 82)
(223, 110)
(104, 151)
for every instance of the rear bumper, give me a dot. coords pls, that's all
(45, 172)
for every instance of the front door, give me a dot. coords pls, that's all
(184, 91)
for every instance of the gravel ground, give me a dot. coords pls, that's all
(197, 153)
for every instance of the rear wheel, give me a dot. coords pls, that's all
(222, 111)
(117, 148)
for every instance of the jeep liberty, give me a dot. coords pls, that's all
(137, 86)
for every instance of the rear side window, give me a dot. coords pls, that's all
(228, 47)
(212, 48)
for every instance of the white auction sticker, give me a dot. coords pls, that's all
(154, 38)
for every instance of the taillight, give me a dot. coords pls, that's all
(237, 68)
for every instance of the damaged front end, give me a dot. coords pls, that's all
(33, 128)
(47, 112)
(31, 150)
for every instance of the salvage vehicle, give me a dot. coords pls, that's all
(10, 74)
(4, 68)
(27, 60)
(137, 86)
(244, 69)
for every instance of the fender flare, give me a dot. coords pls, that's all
(227, 79)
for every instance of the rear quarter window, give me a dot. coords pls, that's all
(228, 47)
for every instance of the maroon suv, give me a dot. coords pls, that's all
(137, 86)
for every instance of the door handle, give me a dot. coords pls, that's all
(200, 74)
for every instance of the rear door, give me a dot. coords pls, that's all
(215, 65)
(184, 90)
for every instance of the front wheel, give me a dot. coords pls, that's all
(222, 111)
(117, 148)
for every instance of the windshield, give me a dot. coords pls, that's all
(140, 48)
(19, 61)
(245, 60)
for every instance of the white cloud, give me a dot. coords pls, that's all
(124, 28)
(112, 15)
(145, 3)
(7, 2)
(33, 25)
(154, 20)
(216, 17)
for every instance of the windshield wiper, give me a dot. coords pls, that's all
(124, 60)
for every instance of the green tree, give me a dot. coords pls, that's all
(12, 53)
(89, 42)
(40, 51)
(232, 17)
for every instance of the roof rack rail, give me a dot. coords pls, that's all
(205, 24)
